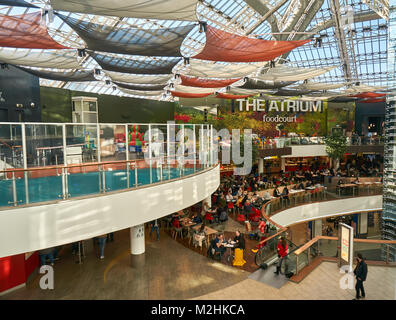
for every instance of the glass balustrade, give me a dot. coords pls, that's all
(41, 162)
(275, 143)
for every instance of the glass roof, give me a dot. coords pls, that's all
(357, 46)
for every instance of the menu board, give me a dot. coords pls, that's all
(346, 245)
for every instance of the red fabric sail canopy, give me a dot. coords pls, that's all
(369, 95)
(206, 83)
(373, 100)
(26, 31)
(232, 96)
(224, 46)
(189, 95)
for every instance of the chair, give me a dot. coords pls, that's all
(177, 231)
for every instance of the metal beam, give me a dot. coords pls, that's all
(381, 7)
(340, 36)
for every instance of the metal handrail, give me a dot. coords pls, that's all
(89, 164)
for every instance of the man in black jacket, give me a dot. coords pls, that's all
(361, 275)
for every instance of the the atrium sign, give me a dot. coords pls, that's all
(280, 106)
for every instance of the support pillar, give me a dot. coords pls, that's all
(137, 240)
(362, 225)
(208, 200)
(137, 246)
(261, 166)
(283, 164)
(317, 228)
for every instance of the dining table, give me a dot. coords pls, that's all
(208, 231)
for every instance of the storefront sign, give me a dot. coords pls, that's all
(279, 106)
(279, 119)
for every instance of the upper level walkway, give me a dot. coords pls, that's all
(69, 182)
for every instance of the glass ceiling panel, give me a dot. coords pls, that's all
(369, 38)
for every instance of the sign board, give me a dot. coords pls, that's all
(346, 245)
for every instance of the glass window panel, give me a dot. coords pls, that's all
(44, 145)
(81, 142)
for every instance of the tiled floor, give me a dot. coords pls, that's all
(321, 284)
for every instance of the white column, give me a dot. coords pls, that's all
(261, 166)
(137, 240)
(283, 163)
(317, 225)
(208, 200)
(363, 225)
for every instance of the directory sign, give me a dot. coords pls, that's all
(346, 245)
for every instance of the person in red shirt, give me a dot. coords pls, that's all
(261, 228)
(282, 252)
(176, 223)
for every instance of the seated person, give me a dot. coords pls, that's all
(276, 193)
(176, 223)
(340, 182)
(285, 194)
(196, 218)
(209, 215)
(223, 216)
(200, 236)
(240, 241)
(356, 180)
(261, 228)
(266, 196)
(300, 186)
(218, 244)
(308, 184)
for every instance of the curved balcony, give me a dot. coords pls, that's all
(315, 146)
(50, 205)
(308, 205)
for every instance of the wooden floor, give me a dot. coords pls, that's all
(172, 271)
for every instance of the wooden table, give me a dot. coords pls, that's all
(209, 231)
(347, 185)
(229, 246)
(186, 222)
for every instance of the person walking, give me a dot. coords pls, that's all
(154, 226)
(361, 275)
(102, 244)
(46, 254)
(282, 252)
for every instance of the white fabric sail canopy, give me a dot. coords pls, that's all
(198, 68)
(186, 89)
(319, 86)
(57, 59)
(146, 9)
(364, 88)
(137, 79)
(141, 93)
(236, 90)
(285, 73)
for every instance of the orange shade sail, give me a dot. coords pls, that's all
(224, 46)
(232, 96)
(206, 83)
(364, 95)
(26, 31)
(373, 100)
(189, 95)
